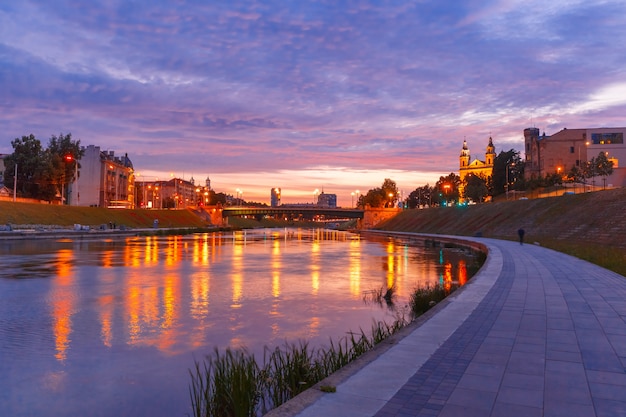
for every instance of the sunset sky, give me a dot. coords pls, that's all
(305, 95)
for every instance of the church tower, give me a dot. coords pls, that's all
(490, 155)
(464, 159)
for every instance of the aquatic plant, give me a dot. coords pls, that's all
(226, 385)
(234, 385)
(424, 298)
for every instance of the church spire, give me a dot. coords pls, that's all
(465, 155)
(491, 152)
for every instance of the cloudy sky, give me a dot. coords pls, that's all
(304, 95)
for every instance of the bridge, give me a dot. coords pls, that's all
(294, 212)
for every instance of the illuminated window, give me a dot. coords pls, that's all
(607, 138)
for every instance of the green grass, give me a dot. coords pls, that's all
(591, 226)
(611, 258)
(48, 214)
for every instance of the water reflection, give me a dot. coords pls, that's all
(137, 310)
(61, 303)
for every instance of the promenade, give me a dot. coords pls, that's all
(535, 333)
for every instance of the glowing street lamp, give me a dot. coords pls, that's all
(239, 196)
(69, 158)
(446, 188)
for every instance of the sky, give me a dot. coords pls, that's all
(330, 95)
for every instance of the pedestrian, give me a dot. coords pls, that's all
(520, 233)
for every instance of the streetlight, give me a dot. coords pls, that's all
(446, 187)
(68, 159)
(511, 164)
(580, 166)
(239, 193)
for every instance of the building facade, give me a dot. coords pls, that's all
(103, 180)
(467, 166)
(327, 200)
(568, 148)
(175, 193)
(275, 197)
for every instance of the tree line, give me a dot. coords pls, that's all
(507, 176)
(43, 172)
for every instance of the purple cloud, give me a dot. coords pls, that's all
(269, 87)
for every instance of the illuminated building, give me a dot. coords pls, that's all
(275, 197)
(467, 166)
(569, 148)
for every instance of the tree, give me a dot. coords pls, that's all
(43, 173)
(603, 167)
(575, 175)
(384, 196)
(507, 161)
(28, 154)
(62, 157)
(447, 189)
(420, 196)
(476, 188)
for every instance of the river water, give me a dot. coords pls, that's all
(111, 327)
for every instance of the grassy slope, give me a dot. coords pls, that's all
(43, 214)
(591, 226)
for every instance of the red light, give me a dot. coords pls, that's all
(69, 158)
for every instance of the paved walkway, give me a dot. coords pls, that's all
(535, 333)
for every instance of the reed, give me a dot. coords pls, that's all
(234, 385)
(225, 385)
(424, 298)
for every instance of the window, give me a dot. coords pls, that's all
(607, 138)
(571, 149)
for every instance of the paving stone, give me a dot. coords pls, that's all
(547, 339)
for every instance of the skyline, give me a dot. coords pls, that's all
(334, 96)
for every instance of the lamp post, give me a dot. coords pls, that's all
(239, 196)
(510, 164)
(15, 184)
(446, 187)
(352, 199)
(68, 159)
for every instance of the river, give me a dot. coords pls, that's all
(110, 327)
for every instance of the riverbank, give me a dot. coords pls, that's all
(590, 226)
(534, 333)
(32, 216)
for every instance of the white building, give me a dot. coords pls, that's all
(103, 180)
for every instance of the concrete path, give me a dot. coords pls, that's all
(535, 333)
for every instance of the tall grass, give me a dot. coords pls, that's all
(232, 384)
(424, 298)
(226, 385)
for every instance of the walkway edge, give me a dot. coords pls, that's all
(365, 385)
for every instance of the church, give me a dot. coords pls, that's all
(476, 167)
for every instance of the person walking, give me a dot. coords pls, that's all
(520, 233)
